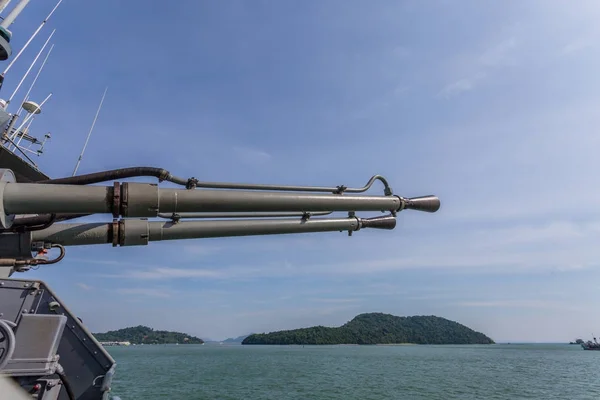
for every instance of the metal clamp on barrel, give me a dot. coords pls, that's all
(6, 176)
(139, 200)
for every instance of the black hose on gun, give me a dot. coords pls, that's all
(111, 175)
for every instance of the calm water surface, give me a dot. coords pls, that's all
(356, 372)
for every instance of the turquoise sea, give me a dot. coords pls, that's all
(515, 371)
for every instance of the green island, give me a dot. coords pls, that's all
(145, 335)
(378, 328)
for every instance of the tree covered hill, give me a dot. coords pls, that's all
(378, 328)
(143, 334)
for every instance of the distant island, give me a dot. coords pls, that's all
(378, 328)
(145, 335)
(238, 339)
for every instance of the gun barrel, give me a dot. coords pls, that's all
(146, 200)
(131, 232)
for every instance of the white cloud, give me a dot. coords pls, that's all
(83, 286)
(578, 45)
(500, 55)
(544, 304)
(201, 249)
(334, 300)
(150, 292)
(251, 155)
(477, 68)
(460, 86)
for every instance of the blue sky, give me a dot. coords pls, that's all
(492, 107)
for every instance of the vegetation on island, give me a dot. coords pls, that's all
(143, 334)
(378, 328)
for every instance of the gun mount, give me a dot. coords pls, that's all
(30, 212)
(32, 221)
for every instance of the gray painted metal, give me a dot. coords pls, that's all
(242, 215)
(145, 200)
(24, 171)
(33, 198)
(87, 365)
(37, 339)
(132, 232)
(206, 200)
(75, 234)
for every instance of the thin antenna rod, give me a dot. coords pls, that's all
(25, 131)
(29, 117)
(3, 4)
(30, 67)
(33, 83)
(32, 36)
(90, 133)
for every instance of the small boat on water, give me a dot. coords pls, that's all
(589, 345)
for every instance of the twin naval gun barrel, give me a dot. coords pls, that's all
(46, 347)
(36, 212)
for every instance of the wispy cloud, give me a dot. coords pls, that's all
(150, 292)
(83, 286)
(460, 86)
(202, 249)
(544, 304)
(481, 67)
(166, 273)
(578, 44)
(499, 55)
(334, 300)
(251, 155)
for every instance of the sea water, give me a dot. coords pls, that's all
(501, 371)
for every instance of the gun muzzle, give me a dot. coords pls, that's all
(385, 222)
(424, 203)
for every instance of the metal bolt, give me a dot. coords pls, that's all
(1, 283)
(32, 310)
(24, 311)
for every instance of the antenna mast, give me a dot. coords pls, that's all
(29, 69)
(89, 133)
(34, 81)
(3, 4)
(10, 19)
